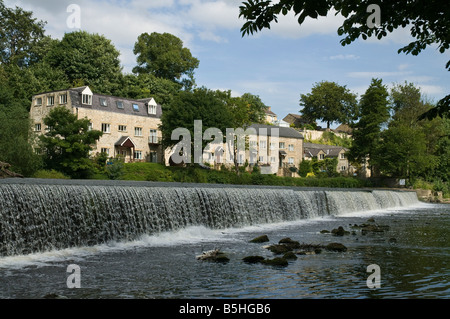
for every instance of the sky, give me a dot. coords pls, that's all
(277, 64)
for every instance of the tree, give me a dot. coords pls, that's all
(188, 106)
(164, 56)
(429, 21)
(87, 59)
(67, 143)
(330, 103)
(374, 108)
(19, 33)
(16, 136)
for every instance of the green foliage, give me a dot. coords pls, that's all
(330, 103)
(115, 168)
(87, 59)
(19, 35)
(374, 109)
(67, 143)
(49, 174)
(16, 136)
(164, 56)
(329, 138)
(305, 167)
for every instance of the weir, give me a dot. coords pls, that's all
(37, 217)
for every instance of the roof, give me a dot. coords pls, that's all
(312, 149)
(344, 128)
(282, 131)
(75, 96)
(125, 141)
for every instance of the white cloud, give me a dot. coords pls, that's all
(344, 57)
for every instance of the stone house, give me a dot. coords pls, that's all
(322, 151)
(130, 127)
(275, 149)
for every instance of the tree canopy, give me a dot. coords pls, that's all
(329, 102)
(87, 59)
(163, 55)
(67, 143)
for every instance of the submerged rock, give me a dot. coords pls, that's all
(292, 244)
(289, 255)
(213, 255)
(340, 231)
(253, 259)
(336, 247)
(260, 239)
(279, 249)
(277, 261)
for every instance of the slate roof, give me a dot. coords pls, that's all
(312, 149)
(75, 95)
(282, 131)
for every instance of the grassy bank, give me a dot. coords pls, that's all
(161, 173)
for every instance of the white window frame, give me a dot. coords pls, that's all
(106, 128)
(104, 150)
(291, 147)
(63, 99)
(37, 127)
(38, 101)
(291, 160)
(122, 128)
(282, 145)
(138, 131)
(50, 100)
(86, 99)
(137, 155)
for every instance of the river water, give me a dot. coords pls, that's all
(413, 257)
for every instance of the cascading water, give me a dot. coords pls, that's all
(42, 217)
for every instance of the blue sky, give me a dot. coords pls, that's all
(277, 64)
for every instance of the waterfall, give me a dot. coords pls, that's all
(41, 217)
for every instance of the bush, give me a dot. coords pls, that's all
(50, 174)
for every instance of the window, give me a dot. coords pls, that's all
(90, 127)
(103, 101)
(291, 147)
(321, 156)
(122, 128)
(273, 146)
(153, 138)
(50, 100)
(119, 104)
(106, 128)
(273, 159)
(37, 127)
(138, 131)
(152, 109)
(343, 168)
(135, 107)
(105, 150)
(38, 101)
(291, 160)
(138, 155)
(282, 146)
(87, 99)
(261, 159)
(342, 155)
(263, 144)
(63, 99)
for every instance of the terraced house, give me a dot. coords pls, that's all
(130, 127)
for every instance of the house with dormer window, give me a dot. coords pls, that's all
(130, 127)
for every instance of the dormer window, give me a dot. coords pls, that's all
(103, 102)
(87, 99)
(119, 104)
(152, 107)
(86, 96)
(135, 107)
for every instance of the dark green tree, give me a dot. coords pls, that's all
(87, 59)
(374, 108)
(19, 35)
(329, 102)
(163, 55)
(67, 143)
(200, 104)
(16, 136)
